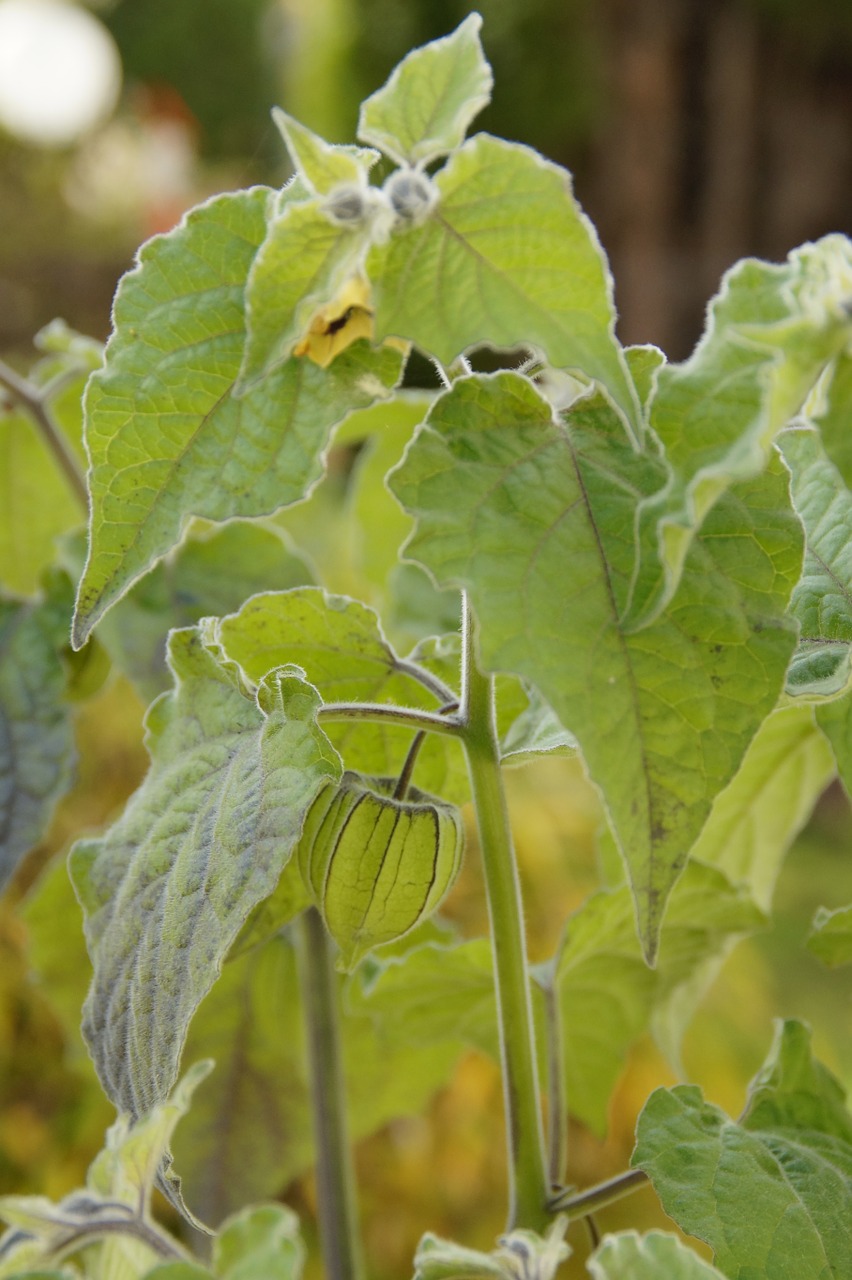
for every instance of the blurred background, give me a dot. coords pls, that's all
(696, 133)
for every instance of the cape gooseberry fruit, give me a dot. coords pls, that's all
(376, 866)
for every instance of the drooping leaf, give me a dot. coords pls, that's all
(536, 731)
(36, 737)
(755, 819)
(533, 514)
(211, 572)
(792, 1148)
(822, 601)
(425, 108)
(654, 1256)
(342, 648)
(204, 839)
(166, 437)
(831, 936)
(261, 1243)
(608, 995)
(771, 331)
(505, 257)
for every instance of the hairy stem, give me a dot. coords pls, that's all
(427, 679)
(407, 717)
(335, 1175)
(34, 401)
(528, 1181)
(579, 1204)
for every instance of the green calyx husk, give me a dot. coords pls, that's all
(376, 866)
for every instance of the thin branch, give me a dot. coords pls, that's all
(406, 717)
(427, 679)
(579, 1204)
(83, 1233)
(34, 401)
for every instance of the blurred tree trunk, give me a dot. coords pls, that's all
(722, 141)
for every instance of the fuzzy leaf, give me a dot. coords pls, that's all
(833, 417)
(532, 515)
(321, 165)
(425, 108)
(166, 438)
(211, 572)
(793, 1150)
(771, 331)
(261, 1243)
(204, 839)
(831, 936)
(506, 257)
(655, 1256)
(340, 644)
(36, 737)
(822, 601)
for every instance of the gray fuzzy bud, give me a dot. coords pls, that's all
(411, 195)
(346, 205)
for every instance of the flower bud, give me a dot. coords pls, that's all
(376, 866)
(411, 195)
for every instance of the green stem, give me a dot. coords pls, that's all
(33, 401)
(407, 717)
(557, 1119)
(579, 1204)
(335, 1175)
(528, 1181)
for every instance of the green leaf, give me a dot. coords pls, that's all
(833, 417)
(342, 648)
(37, 504)
(36, 737)
(166, 438)
(321, 165)
(178, 1271)
(261, 1243)
(536, 731)
(532, 515)
(654, 1256)
(249, 1132)
(425, 108)
(211, 572)
(792, 1149)
(835, 720)
(204, 839)
(57, 948)
(519, 1255)
(435, 993)
(822, 601)
(771, 330)
(831, 936)
(607, 993)
(755, 819)
(506, 257)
